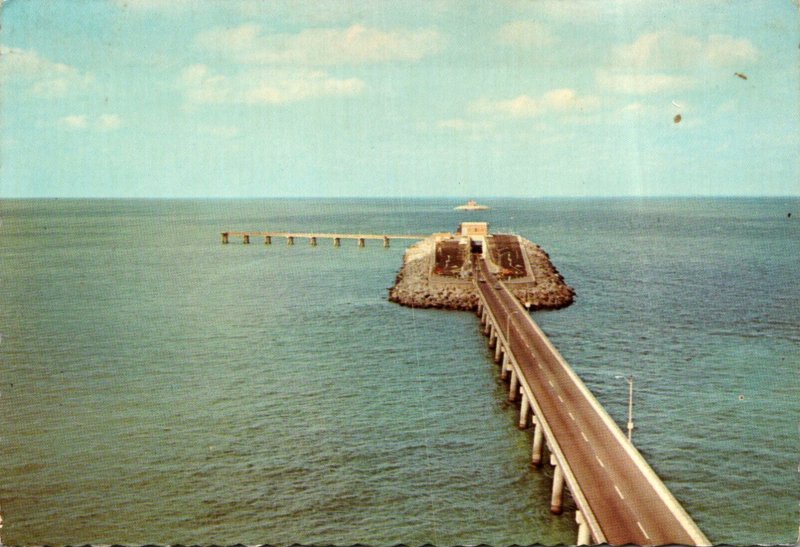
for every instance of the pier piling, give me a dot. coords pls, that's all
(557, 499)
(538, 438)
(524, 409)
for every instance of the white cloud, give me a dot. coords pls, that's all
(108, 122)
(525, 34)
(75, 121)
(642, 84)
(524, 106)
(669, 50)
(263, 86)
(81, 122)
(44, 78)
(354, 45)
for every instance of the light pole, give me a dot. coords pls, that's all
(630, 405)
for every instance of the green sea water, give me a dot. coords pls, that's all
(157, 386)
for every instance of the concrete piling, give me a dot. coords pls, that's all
(385, 242)
(337, 242)
(360, 241)
(538, 441)
(513, 390)
(524, 409)
(267, 240)
(312, 241)
(289, 240)
(557, 499)
(225, 237)
(246, 239)
(584, 533)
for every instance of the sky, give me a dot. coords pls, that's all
(504, 98)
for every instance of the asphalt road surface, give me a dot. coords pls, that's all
(622, 498)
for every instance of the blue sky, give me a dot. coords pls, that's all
(244, 98)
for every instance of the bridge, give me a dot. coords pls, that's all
(619, 498)
(314, 236)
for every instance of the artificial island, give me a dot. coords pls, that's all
(437, 272)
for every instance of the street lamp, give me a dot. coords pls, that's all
(630, 405)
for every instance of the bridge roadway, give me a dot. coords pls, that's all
(620, 496)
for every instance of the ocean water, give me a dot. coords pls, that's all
(159, 387)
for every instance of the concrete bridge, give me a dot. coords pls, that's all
(314, 236)
(619, 497)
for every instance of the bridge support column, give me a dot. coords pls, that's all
(584, 534)
(337, 242)
(498, 349)
(267, 240)
(312, 241)
(488, 326)
(289, 240)
(557, 499)
(504, 368)
(360, 241)
(538, 441)
(524, 408)
(513, 390)
(225, 238)
(493, 337)
(385, 242)
(246, 239)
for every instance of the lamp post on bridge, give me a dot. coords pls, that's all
(630, 405)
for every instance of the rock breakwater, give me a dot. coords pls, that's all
(417, 286)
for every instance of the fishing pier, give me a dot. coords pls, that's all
(313, 237)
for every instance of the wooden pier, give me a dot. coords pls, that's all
(312, 237)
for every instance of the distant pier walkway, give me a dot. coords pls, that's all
(313, 237)
(620, 499)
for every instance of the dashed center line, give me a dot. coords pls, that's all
(560, 398)
(600, 462)
(619, 493)
(551, 383)
(642, 529)
(585, 438)
(571, 415)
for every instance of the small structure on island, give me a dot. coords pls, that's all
(472, 205)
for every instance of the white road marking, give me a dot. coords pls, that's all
(619, 493)
(600, 462)
(585, 438)
(551, 383)
(560, 398)
(643, 530)
(571, 415)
